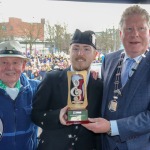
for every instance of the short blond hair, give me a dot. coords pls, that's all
(134, 10)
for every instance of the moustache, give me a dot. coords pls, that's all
(80, 58)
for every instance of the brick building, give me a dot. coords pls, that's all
(16, 29)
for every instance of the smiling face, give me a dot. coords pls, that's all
(11, 69)
(135, 35)
(81, 56)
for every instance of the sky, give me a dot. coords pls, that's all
(81, 15)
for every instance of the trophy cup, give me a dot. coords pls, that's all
(77, 98)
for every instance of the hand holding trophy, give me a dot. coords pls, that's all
(77, 98)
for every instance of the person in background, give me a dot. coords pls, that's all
(50, 107)
(43, 71)
(126, 79)
(16, 97)
(28, 71)
(36, 75)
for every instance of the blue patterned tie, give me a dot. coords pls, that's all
(126, 70)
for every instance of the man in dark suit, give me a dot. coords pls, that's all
(126, 101)
(50, 107)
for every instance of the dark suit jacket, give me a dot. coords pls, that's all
(51, 96)
(133, 112)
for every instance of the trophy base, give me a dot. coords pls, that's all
(77, 116)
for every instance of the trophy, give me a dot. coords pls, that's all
(77, 97)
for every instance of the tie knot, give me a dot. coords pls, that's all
(126, 70)
(129, 62)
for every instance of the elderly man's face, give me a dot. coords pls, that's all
(81, 56)
(11, 69)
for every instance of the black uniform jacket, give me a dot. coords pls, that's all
(51, 96)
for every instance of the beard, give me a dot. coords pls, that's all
(80, 63)
(80, 67)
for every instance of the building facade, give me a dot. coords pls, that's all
(30, 35)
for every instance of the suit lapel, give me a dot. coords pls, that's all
(63, 84)
(112, 70)
(110, 74)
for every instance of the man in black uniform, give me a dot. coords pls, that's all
(49, 109)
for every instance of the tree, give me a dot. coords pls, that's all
(108, 40)
(58, 37)
(32, 32)
(50, 36)
(66, 43)
(3, 34)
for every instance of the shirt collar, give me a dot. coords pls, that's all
(135, 58)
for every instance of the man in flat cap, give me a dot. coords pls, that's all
(17, 131)
(50, 107)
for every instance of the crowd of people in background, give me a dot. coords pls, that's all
(38, 65)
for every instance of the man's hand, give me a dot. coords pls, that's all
(95, 74)
(63, 116)
(98, 125)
